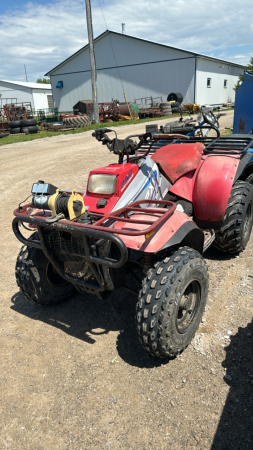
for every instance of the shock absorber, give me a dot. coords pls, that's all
(148, 260)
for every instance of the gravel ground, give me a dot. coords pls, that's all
(75, 376)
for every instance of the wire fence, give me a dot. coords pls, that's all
(46, 115)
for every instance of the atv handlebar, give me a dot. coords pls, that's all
(99, 133)
(207, 126)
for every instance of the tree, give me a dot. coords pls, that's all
(241, 77)
(43, 80)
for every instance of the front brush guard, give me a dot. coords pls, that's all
(102, 231)
(94, 262)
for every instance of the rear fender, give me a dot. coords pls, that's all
(245, 167)
(212, 189)
(178, 229)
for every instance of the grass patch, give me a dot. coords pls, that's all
(226, 132)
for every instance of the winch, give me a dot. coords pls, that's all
(62, 203)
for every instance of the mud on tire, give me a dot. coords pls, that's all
(235, 232)
(171, 302)
(38, 280)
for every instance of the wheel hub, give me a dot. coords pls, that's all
(185, 303)
(188, 306)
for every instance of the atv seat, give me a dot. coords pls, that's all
(177, 159)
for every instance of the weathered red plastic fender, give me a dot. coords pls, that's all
(173, 232)
(212, 188)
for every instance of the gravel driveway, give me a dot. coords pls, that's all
(59, 386)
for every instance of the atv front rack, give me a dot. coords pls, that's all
(79, 251)
(103, 224)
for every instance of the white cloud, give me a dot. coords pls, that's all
(42, 36)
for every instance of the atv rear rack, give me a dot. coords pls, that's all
(149, 147)
(235, 145)
(222, 145)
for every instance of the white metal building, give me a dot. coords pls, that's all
(38, 94)
(144, 68)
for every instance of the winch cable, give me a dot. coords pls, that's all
(116, 62)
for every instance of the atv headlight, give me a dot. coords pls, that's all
(100, 183)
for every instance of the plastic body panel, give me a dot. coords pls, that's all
(212, 188)
(176, 160)
(161, 236)
(133, 183)
(183, 187)
(146, 185)
(125, 174)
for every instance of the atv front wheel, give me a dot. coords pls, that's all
(238, 219)
(38, 280)
(171, 302)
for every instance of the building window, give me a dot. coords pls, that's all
(208, 84)
(225, 83)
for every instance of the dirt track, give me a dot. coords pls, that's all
(59, 389)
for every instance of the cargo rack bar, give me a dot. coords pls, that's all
(104, 223)
(152, 145)
(230, 144)
(122, 215)
(227, 144)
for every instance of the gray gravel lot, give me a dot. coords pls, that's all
(59, 387)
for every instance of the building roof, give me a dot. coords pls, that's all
(101, 36)
(28, 85)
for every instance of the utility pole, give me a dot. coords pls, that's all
(92, 61)
(25, 73)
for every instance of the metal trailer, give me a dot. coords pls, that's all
(243, 116)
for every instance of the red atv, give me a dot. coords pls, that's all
(150, 216)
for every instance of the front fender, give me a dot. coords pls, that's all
(173, 232)
(212, 189)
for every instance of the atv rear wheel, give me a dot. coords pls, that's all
(38, 280)
(171, 302)
(250, 179)
(238, 219)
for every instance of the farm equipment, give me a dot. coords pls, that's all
(14, 112)
(149, 107)
(150, 217)
(116, 111)
(192, 108)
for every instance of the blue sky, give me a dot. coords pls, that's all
(42, 33)
(11, 5)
